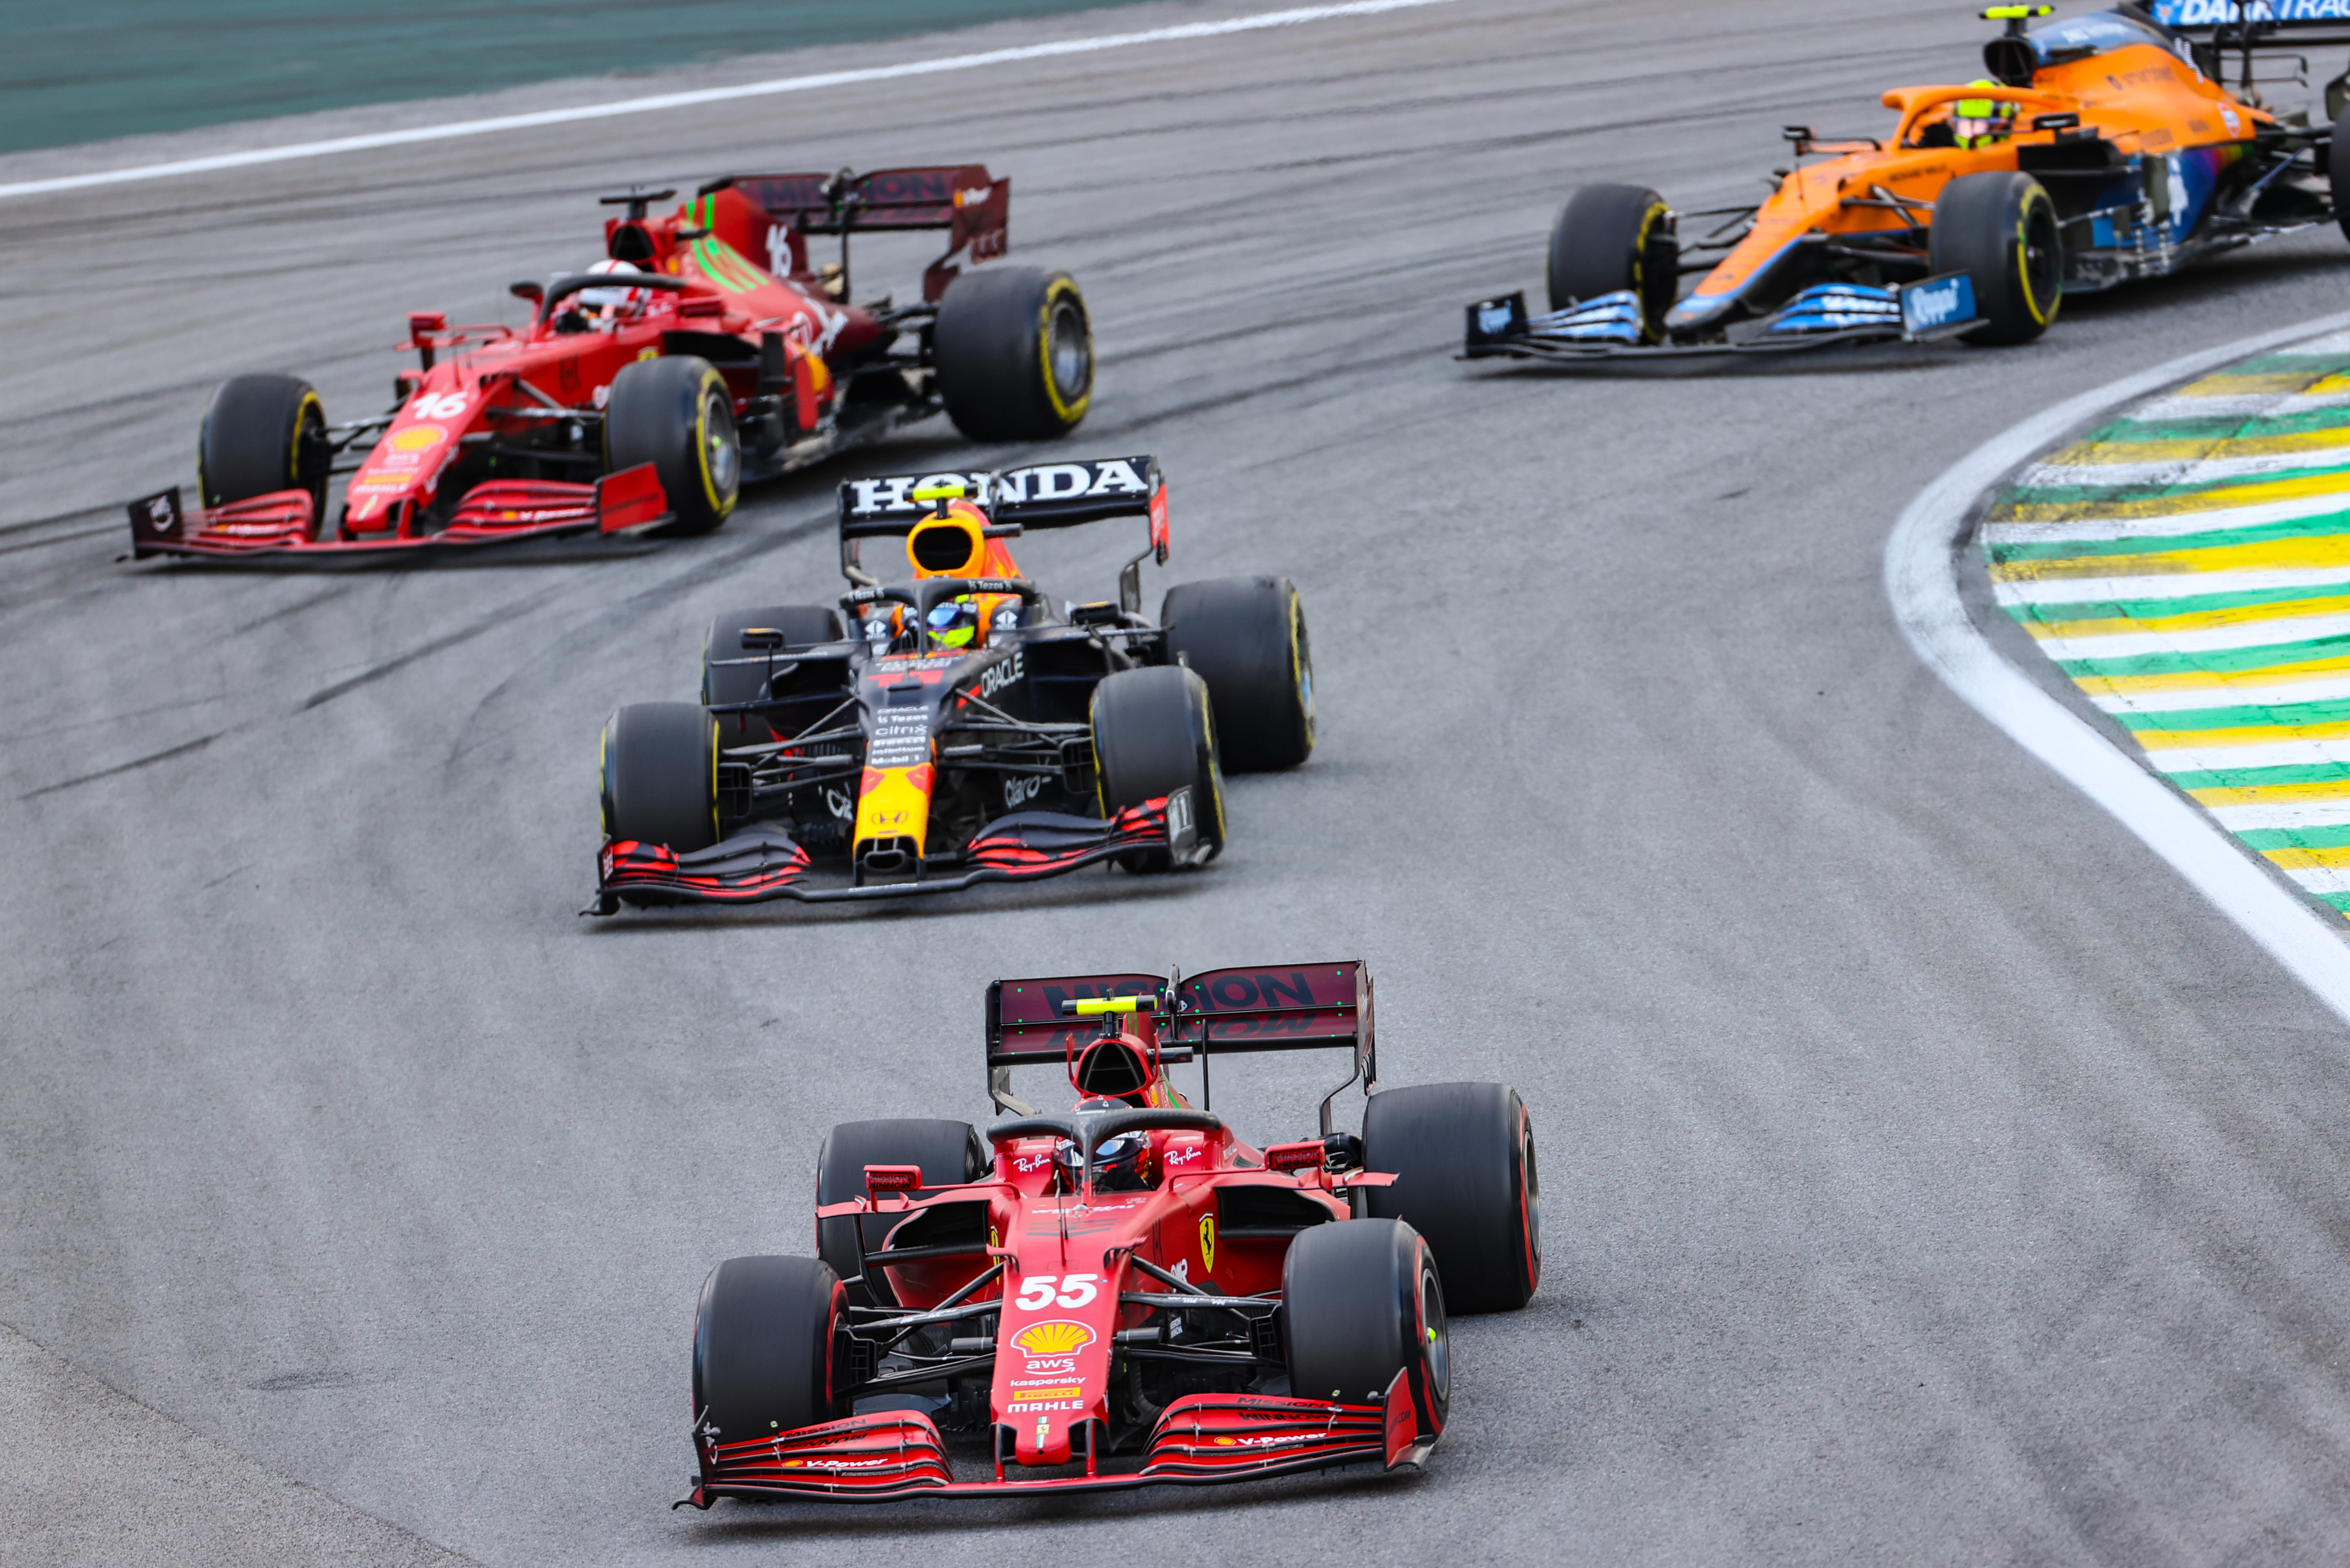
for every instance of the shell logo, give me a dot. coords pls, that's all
(416, 438)
(1056, 1338)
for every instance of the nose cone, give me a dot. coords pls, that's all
(1699, 310)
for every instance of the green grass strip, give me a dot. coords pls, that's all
(2320, 365)
(2297, 838)
(2221, 427)
(2240, 718)
(2144, 545)
(2214, 661)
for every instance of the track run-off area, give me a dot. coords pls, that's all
(1932, 1173)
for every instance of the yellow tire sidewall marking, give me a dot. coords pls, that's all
(2024, 263)
(723, 506)
(1648, 221)
(1068, 413)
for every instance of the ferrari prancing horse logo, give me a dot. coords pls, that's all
(1208, 1244)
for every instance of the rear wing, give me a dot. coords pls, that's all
(1287, 1007)
(970, 205)
(2230, 20)
(1047, 495)
(1044, 495)
(2213, 29)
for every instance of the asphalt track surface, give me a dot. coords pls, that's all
(1931, 1175)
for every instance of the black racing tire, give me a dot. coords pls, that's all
(660, 776)
(1014, 352)
(803, 625)
(764, 1338)
(1361, 1300)
(2337, 170)
(1609, 238)
(677, 414)
(2000, 228)
(1245, 636)
(1154, 733)
(264, 433)
(949, 1152)
(1464, 1159)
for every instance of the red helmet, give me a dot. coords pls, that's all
(614, 303)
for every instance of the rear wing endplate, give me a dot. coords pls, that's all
(1224, 1011)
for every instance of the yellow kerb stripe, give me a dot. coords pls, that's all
(2091, 453)
(2177, 506)
(2274, 794)
(2298, 551)
(2218, 685)
(2247, 735)
(2309, 859)
(2227, 386)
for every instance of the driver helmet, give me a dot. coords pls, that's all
(1126, 1163)
(954, 623)
(1981, 122)
(614, 303)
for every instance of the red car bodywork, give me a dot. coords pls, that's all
(1077, 1277)
(730, 283)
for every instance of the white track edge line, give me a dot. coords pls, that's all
(1177, 34)
(1921, 562)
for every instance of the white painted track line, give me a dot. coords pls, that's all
(1920, 577)
(659, 101)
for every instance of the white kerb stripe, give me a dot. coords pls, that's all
(1921, 578)
(2321, 879)
(2176, 585)
(668, 101)
(2232, 404)
(2252, 818)
(2331, 688)
(2184, 470)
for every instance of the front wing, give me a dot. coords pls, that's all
(756, 866)
(1612, 325)
(1200, 1439)
(494, 513)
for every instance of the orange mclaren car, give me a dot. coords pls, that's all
(2098, 148)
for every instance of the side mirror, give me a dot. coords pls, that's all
(526, 289)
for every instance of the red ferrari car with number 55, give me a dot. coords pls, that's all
(1126, 1294)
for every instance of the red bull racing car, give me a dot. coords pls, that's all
(957, 727)
(1126, 1294)
(2100, 148)
(702, 352)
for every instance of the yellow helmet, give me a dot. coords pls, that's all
(1980, 121)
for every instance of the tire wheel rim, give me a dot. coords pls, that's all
(1068, 352)
(722, 458)
(1533, 1198)
(1436, 1339)
(1301, 653)
(2041, 264)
